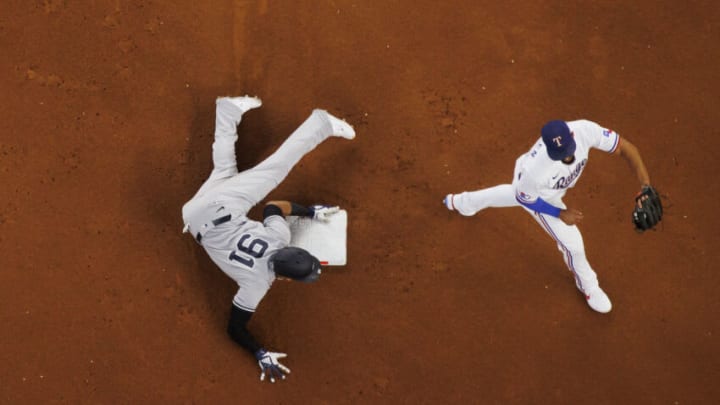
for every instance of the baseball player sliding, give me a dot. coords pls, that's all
(255, 253)
(542, 176)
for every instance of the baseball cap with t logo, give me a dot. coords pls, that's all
(558, 140)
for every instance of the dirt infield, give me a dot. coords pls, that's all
(107, 121)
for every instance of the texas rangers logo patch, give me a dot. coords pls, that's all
(524, 197)
(607, 132)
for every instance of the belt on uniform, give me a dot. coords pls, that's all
(215, 222)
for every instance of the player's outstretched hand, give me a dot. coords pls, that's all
(324, 212)
(571, 216)
(270, 366)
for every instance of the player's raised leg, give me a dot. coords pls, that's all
(470, 202)
(570, 243)
(250, 186)
(228, 114)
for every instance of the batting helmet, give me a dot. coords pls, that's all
(296, 263)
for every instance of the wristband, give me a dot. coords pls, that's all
(542, 207)
(301, 210)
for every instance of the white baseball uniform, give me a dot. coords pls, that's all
(538, 176)
(216, 215)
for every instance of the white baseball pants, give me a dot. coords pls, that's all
(568, 238)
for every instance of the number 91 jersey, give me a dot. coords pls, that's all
(241, 248)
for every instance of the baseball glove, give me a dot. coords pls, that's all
(648, 209)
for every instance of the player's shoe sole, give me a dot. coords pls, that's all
(339, 127)
(244, 103)
(448, 201)
(598, 300)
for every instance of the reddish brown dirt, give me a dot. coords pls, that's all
(107, 121)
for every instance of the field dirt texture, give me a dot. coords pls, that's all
(106, 131)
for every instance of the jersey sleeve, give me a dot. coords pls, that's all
(237, 329)
(278, 227)
(250, 294)
(601, 138)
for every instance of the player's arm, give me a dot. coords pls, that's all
(267, 361)
(237, 329)
(631, 155)
(570, 216)
(285, 208)
(527, 193)
(539, 205)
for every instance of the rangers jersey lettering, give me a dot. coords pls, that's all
(564, 182)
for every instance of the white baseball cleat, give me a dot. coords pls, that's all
(244, 103)
(448, 201)
(340, 127)
(598, 300)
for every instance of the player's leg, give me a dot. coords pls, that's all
(470, 202)
(228, 114)
(570, 243)
(249, 187)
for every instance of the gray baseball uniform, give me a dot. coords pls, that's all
(216, 215)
